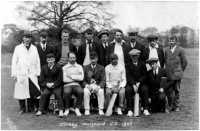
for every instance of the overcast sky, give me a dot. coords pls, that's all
(162, 15)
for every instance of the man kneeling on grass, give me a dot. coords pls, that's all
(157, 93)
(51, 82)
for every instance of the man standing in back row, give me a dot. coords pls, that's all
(176, 63)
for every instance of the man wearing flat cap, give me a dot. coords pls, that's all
(83, 57)
(103, 48)
(136, 74)
(63, 48)
(25, 71)
(157, 92)
(115, 82)
(134, 44)
(94, 83)
(51, 78)
(176, 62)
(153, 50)
(119, 47)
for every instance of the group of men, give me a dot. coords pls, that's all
(98, 70)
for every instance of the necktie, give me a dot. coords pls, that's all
(155, 75)
(43, 48)
(90, 46)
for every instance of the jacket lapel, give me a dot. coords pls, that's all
(96, 69)
(175, 51)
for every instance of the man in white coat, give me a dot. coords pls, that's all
(25, 71)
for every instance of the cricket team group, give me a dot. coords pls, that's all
(97, 70)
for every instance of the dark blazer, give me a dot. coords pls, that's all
(139, 47)
(58, 48)
(42, 54)
(176, 62)
(126, 50)
(161, 58)
(154, 84)
(98, 74)
(103, 54)
(136, 73)
(54, 75)
(82, 51)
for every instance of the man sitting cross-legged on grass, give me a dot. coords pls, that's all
(51, 82)
(115, 81)
(93, 83)
(157, 94)
(72, 76)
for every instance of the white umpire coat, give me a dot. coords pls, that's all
(25, 64)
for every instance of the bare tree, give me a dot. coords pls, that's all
(56, 14)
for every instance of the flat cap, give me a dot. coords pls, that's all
(102, 33)
(93, 54)
(134, 52)
(89, 30)
(50, 55)
(152, 60)
(43, 33)
(113, 56)
(118, 30)
(132, 32)
(27, 33)
(173, 37)
(152, 37)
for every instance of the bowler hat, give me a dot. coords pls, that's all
(134, 52)
(27, 33)
(153, 59)
(102, 33)
(89, 30)
(50, 55)
(93, 54)
(43, 34)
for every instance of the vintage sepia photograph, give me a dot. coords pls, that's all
(99, 65)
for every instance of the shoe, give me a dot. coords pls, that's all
(101, 112)
(130, 113)
(72, 109)
(77, 111)
(66, 112)
(60, 113)
(39, 113)
(146, 112)
(119, 111)
(21, 112)
(177, 109)
(166, 111)
(87, 112)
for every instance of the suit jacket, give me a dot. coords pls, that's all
(154, 84)
(176, 62)
(82, 51)
(42, 54)
(103, 55)
(58, 48)
(136, 73)
(98, 74)
(161, 58)
(54, 75)
(126, 50)
(139, 47)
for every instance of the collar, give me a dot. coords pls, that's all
(70, 65)
(121, 43)
(133, 44)
(156, 46)
(43, 44)
(105, 44)
(51, 67)
(93, 66)
(173, 47)
(156, 70)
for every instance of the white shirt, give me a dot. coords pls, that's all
(43, 45)
(156, 71)
(105, 44)
(133, 44)
(115, 74)
(153, 53)
(173, 48)
(87, 54)
(119, 51)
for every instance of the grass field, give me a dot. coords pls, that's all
(186, 119)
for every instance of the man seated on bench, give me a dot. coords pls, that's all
(72, 76)
(157, 94)
(51, 82)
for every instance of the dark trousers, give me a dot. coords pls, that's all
(158, 101)
(77, 90)
(47, 93)
(31, 104)
(143, 92)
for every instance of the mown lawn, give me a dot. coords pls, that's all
(186, 119)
